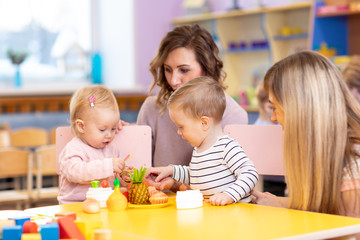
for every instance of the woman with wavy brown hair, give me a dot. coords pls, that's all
(321, 124)
(185, 53)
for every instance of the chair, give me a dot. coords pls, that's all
(16, 163)
(263, 144)
(29, 137)
(133, 139)
(45, 165)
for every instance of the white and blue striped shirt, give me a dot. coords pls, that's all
(222, 168)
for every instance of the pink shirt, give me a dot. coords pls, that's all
(80, 164)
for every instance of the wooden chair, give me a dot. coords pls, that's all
(29, 137)
(133, 139)
(45, 165)
(263, 144)
(16, 163)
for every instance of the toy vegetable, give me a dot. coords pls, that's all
(116, 201)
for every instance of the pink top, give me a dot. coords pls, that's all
(80, 164)
(167, 146)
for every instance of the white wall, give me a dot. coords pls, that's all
(115, 41)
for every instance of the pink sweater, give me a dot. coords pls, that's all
(167, 146)
(80, 164)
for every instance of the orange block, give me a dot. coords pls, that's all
(68, 229)
(30, 227)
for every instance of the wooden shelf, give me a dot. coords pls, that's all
(337, 14)
(290, 37)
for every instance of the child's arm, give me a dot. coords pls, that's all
(118, 165)
(243, 169)
(159, 173)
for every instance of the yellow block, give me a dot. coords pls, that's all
(31, 236)
(87, 227)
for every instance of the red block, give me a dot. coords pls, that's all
(63, 214)
(68, 229)
(30, 227)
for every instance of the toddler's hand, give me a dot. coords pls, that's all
(164, 184)
(118, 165)
(220, 199)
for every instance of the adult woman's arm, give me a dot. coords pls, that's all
(351, 200)
(268, 199)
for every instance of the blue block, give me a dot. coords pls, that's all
(20, 220)
(12, 232)
(50, 231)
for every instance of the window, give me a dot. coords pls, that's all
(55, 34)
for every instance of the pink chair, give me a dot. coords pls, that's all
(263, 144)
(134, 140)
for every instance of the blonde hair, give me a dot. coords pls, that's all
(321, 125)
(80, 103)
(206, 52)
(351, 72)
(199, 97)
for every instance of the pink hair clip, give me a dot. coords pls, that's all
(92, 101)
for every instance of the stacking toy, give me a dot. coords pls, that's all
(116, 201)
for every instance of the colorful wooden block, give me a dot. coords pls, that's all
(30, 227)
(12, 232)
(31, 236)
(6, 222)
(20, 220)
(63, 214)
(87, 227)
(68, 229)
(50, 231)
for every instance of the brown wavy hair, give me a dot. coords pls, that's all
(191, 37)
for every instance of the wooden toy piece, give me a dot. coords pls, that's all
(6, 222)
(87, 228)
(102, 234)
(50, 231)
(30, 227)
(182, 187)
(20, 220)
(63, 214)
(12, 232)
(116, 201)
(68, 229)
(91, 205)
(31, 236)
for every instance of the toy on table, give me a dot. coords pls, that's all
(189, 199)
(91, 205)
(101, 194)
(138, 190)
(157, 197)
(116, 201)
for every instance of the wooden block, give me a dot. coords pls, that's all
(102, 234)
(6, 222)
(30, 227)
(12, 232)
(87, 227)
(68, 229)
(20, 220)
(50, 231)
(63, 214)
(31, 236)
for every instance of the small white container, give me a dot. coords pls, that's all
(189, 199)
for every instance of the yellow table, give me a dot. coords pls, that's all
(236, 221)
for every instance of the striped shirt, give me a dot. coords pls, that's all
(224, 167)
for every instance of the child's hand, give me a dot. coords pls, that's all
(120, 125)
(159, 173)
(220, 199)
(118, 165)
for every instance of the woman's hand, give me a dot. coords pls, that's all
(164, 184)
(122, 123)
(268, 199)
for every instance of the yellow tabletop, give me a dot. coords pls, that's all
(235, 221)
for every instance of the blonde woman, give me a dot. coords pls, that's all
(351, 74)
(321, 123)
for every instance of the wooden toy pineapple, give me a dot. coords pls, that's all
(138, 191)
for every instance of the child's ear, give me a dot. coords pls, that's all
(79, 124)
(205, 122)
